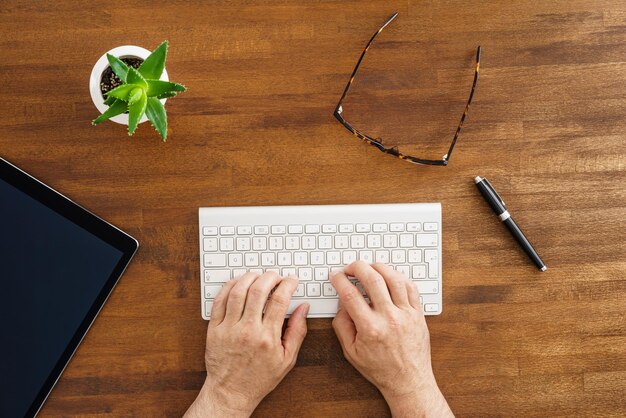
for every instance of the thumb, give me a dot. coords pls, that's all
(344, 328)
(295, 331)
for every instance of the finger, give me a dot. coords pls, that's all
(257, 295)
(237, 297)
(414, 296)
(219, 304)
(351, 299)
(295, 331)
(345, 329)
(278, 304)
(373, 282)
(396, 283)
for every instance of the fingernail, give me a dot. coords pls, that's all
(333, 274)
(306, 310)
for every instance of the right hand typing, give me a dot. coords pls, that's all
(387, 341)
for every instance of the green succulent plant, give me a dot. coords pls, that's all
(141, 92)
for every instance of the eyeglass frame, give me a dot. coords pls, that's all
(377, 142)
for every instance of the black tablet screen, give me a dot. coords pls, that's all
(51, 272)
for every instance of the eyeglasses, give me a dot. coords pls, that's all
(378, 143)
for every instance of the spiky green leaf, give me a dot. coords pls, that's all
(122, 91)
(157, 116)
(153, 66)
(135, 94)
(109, 100)
(167, 95)
(135, 112)
(134, 77)
(158, 87)
(118, 66)
(117, 108)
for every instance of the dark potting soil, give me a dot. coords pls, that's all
(109, 80)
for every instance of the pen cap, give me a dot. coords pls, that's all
(491, 196)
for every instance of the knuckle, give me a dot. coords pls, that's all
(280, 300)
(237, 294)
(256, 292)
(351, 294)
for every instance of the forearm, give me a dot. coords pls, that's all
(209, 405)
(424, 402)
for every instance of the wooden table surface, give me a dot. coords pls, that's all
(547, 127)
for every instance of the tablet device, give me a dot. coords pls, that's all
(58, 264)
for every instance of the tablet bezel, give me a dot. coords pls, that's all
(94, 225)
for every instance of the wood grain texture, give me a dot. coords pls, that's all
(256, 128)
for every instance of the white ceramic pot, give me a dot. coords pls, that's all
(126, 51)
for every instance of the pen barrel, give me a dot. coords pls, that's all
(523, 242)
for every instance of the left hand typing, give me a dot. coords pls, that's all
(246, 354)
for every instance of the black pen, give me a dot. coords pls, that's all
(495, 201)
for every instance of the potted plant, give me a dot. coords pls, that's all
(130, 85)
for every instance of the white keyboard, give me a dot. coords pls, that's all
(311, 241)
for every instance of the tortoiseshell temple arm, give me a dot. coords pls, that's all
(378, 142)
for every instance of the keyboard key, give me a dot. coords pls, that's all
(398, 256)
(305, 274)
(426, 240)
(415, 256)
(413, 227)
(313, 289)
(349, 257)
(299, 293)
(374, 241)
(382, 256)
(328, 289)
(342, 242)
(276, 243)
(325, 242)
(292, 243)
(244, 230)
(379, 228)
(227, 244)
(211, 290)
(209, 244)
(289, 271)
(275, 270)
(218, 276)
(215, 260)
(431, 257)
(243, 244)
(329, 229)
(363, 227)
(419, 272)
(404, 270)
(209, 230)
(308, 242)
(239, 272)
(431, 307)
(227, 230)
(430, 226)
(346, 228)
(317, 258)
(340, 269)
(268, 259)
(261, 230)
(259, 243)
(300, 258)
(333, 257)
(208, 305)
(235, 259)
(279, 229)
(390, 241)
(312, 229)
(321, 274)
(357, 241)
(257, 271)
(251, 259)
(426, 287)
(367, 256)
(295, 229)
(407, 240)
(284, 259)
(396, 227)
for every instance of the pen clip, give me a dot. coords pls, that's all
(494, 191)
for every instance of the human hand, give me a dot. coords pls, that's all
(245, 355)
(387, 341)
